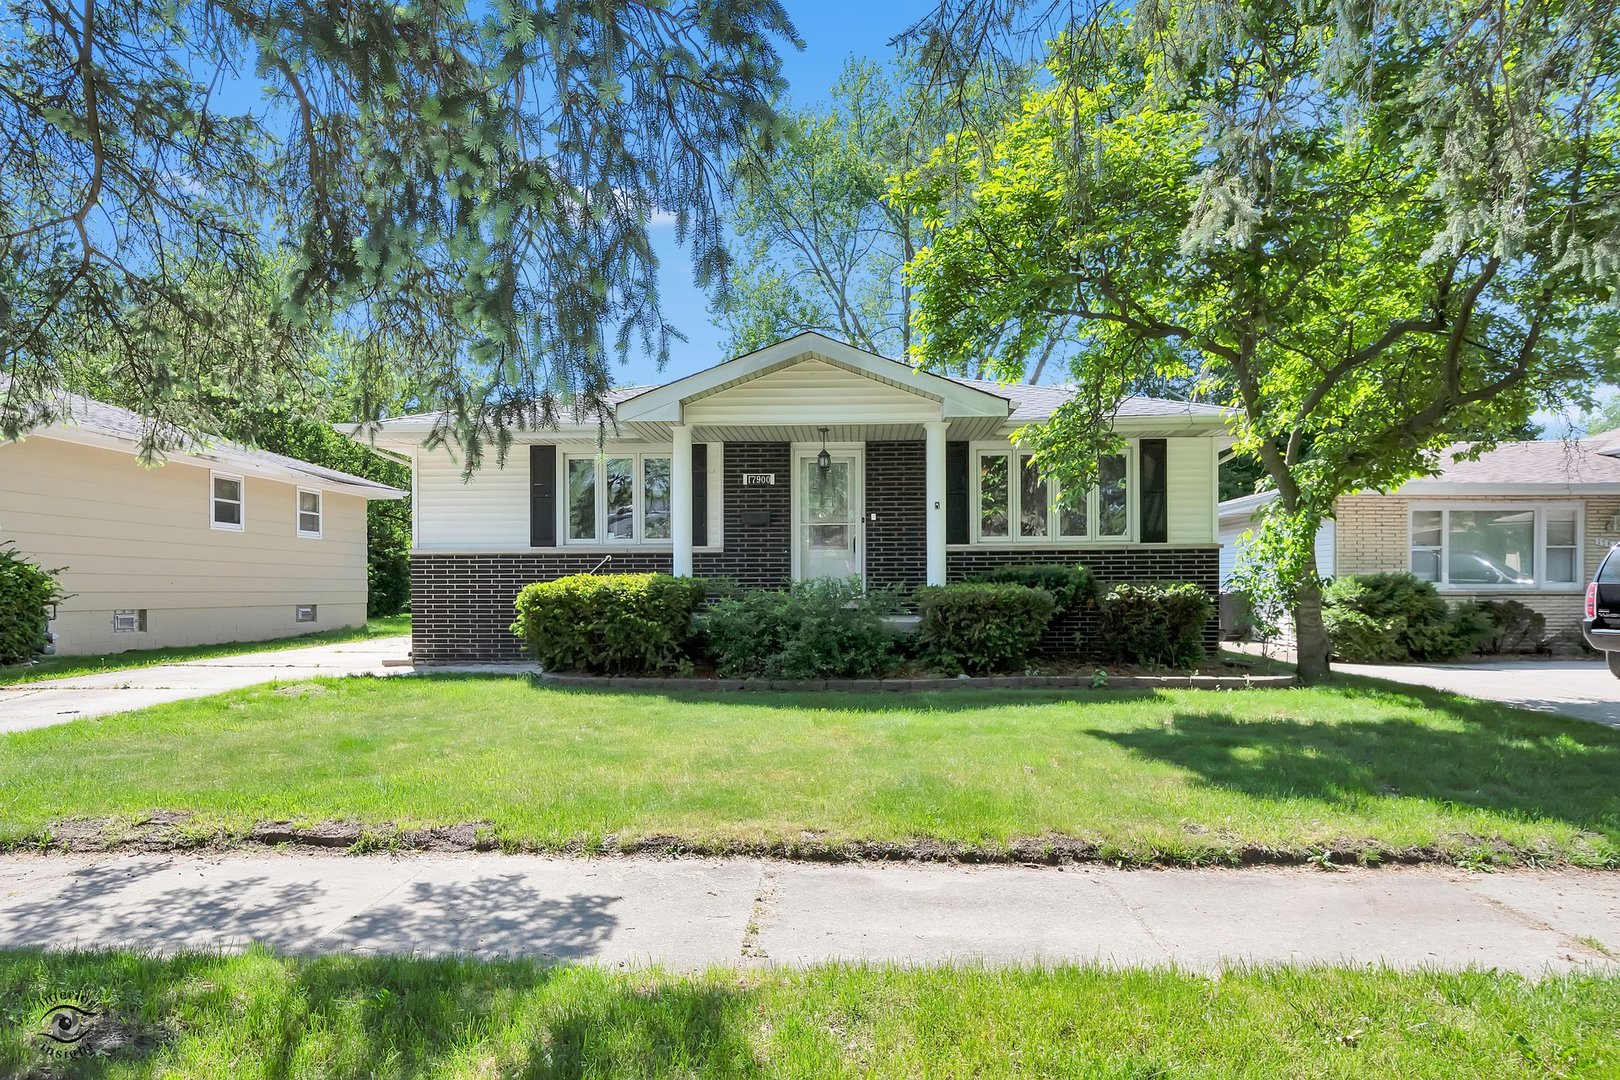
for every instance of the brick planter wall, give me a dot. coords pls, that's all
(1200, 565)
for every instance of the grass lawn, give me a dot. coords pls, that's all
(1362, 769)
(57, 667)
(264, 1016)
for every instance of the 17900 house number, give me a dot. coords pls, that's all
(758, 479)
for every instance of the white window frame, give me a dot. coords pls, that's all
(299, 511)
(637, 458)
(1539, 510)
(1053, 538)
(214, 501)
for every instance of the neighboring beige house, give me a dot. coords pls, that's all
(1528, 521)
(219, 543)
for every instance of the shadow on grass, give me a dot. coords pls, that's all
(1505, 761)
(379, 1016)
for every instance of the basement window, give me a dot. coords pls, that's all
(304, 613)
(129, 622)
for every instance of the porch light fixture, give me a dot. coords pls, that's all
(823, 459)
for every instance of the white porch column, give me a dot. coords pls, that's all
(680, 499)
(934, 502)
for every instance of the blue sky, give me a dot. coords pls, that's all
(833, 32)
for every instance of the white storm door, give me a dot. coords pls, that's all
(828, 517)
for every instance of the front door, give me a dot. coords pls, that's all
(829, 516)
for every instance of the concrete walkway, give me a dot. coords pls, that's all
(688, 914)
(56, 701)
(1583, 689)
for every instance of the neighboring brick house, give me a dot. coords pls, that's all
(806, 459)
(1527, 520)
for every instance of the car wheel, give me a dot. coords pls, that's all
(1614, 663)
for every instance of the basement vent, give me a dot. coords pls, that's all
(304, 613)
(129, 622)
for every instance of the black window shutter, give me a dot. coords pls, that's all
(700, 494)
(956, 493)
(1153, 506)
(542, 495)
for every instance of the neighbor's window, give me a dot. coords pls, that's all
(1043, 511)
(1496, 547)
(227, 502)
(618, 499)
(309, 513)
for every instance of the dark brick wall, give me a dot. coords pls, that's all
(1201, 565)
(461, 605)
(758, 520)
(896, 487)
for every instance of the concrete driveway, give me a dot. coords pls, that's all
(1580, 688)
(56, 701)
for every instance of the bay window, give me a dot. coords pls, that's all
(1497, 546)
(617, 498)
(1031, 508)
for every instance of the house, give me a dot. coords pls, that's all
(1527, 520)
(805, 459)
(219, 543)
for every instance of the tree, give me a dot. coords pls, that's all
(463, 190)
(1382, 230)
(822, 247)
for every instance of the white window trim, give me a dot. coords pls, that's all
(1052, 538)
(213, 501)
(637, 498)
(320, 513)
(1540, 510)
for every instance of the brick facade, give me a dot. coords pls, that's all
(462, 603)
(1200, 565)
(897, 540)
(1374, 530)
(758, 532)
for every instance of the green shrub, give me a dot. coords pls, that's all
(826, 629)
(1384, 618)
(1514, 627)
(26, 594)
(1156, 624)
(1070, 586)
(610, 623)
(981, 627)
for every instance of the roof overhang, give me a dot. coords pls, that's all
(203, 458)
(666, 404)
(1491, 490)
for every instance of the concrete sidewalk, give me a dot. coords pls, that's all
(56, 701)
(689, 914)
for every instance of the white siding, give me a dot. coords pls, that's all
(1232, 546)
(1190, 490)
(131, 538)
(812, 392)
(489, 512)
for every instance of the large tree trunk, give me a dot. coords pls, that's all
(1310, 635)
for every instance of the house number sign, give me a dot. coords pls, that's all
(758, 479)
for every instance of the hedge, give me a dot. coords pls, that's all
(1383, 618)
(616, 624)
(982, 627)
(1071, 586)
(26, 595)
(829, 629)
(1155, 624)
